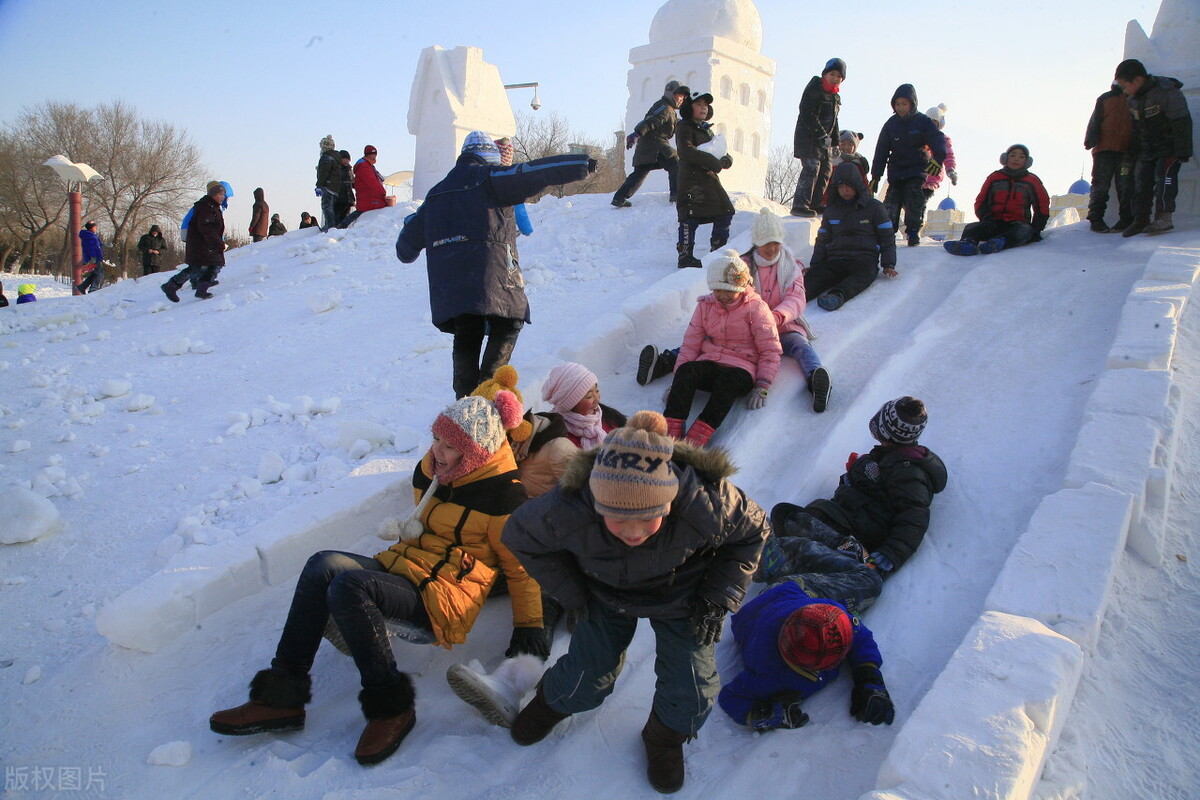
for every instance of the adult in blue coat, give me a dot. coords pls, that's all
(468, 227)
(93, 253)
(792, 646)
(912, 147)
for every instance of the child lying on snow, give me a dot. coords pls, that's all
(881, 507)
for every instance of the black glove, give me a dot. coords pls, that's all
(534, 641)
(576, 616)
(592, 164)
(727, 161)
(707, 620)
(781, 711)
(873, 187)
(869, 699)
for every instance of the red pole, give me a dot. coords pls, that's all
(73, 227)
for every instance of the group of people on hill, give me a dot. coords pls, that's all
(342, 187)
(582, 513)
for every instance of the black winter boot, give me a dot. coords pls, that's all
(664, 755)
(171, 291)
(686, 259)
(653, 364)
(1137, 226)
(277, 703)
(202, 290)
(390, 714)
(535, 720)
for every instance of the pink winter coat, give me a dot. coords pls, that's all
(787, 305)
(934, 181)
(741, 335)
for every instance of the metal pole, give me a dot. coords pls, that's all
(73, 227)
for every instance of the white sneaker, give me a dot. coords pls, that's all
(494, 699)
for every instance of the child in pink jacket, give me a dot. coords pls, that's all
(730, 349)
(938, 115)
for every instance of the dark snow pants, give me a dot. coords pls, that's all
(847, 277)
(1015, 233)
(1110, 166)
(819, 559)
(1155, 186)
(469, 330)
(634, 181)
(815, 172)
(360, 595)
(906, 194)
(720, 232)
(687, 681)
(94, 279)
(726, 385)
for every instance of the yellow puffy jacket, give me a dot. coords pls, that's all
(454, 562)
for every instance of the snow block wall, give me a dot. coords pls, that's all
(202, 580)
(1051, 595)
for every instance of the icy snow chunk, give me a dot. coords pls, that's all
(301, 406)
(83, 350)
(27, 515)
(331, 468)
(19, 445)
(238, 423)
(114, 387)
(201, 348)
(17, 424)
(376, 435)
(360, 448)
(329, 405)
(102, 336)
(140, 402)
(32, 675)
(297, 472)
(270, 467)
(277, 408)
(224, 304)
(325, 301)
(175, 347)
(248, 487)
(171, 754)
(408, 439)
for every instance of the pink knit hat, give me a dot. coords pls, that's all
(567, 385)
(475, 427)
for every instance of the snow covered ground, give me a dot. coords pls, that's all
(195, 454)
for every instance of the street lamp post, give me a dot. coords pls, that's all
(536, 102)
(75, 175)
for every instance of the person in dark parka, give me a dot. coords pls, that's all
(882, 501)
(816, 137)
(345, 199)
(1109, 136)
(901, 149)
(651, 139)
(204, 252)
(151, 246)
(1162, 128)
(468, 228)
(260, 218)
(1013, 209)
(329, 182)
(93, 253)
(702, 199)
(277, 227)
(856, 237)
(641, 527)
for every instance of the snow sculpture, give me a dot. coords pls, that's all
(1171, 50)
(710, 45)
(454, 92)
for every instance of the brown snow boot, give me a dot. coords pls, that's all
(535, 720)
(277, 703)
(391, 714)
(664, 755)
(1162, 223)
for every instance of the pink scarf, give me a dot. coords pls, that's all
(587, 427)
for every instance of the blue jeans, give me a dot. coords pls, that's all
(329, 218)
(797, 346)
(94, 279)
(360, 595)
(687, 673)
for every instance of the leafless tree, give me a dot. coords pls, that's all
(783, 171)
(542, 135)
(32, 200)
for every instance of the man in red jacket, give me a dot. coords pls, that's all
(1013, 208)
(368, 183)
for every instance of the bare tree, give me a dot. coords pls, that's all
(32, 199)
(783, 171)
(542, 135)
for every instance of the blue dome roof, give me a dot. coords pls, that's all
(946, 204)
(1080, 187)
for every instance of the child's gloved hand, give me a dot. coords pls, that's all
(869, 699)
(880, 563)
(953, 176)
(781, 711)
(933, 167)
(631, 140)
(873, 187)
(706, 621)
(757, 399)
(727, 161)
(317, 191)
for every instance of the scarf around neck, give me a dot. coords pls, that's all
(588, 427)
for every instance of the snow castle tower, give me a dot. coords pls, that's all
(1172, 50)
(710, 45)
(454, 92)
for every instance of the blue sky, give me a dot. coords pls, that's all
(258, 84)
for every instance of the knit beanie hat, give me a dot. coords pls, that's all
(505, 379)
(632, 476)
(901, 421)
(835, 63)
(938, 115)
(481, 144)
(327, 143)
(505, 147)
(567, 385)
(729, 272)
(767, 228)
(476, 428)
(816, 637)
(851, 136)
(343, 153)
(212, 186)
(26, 288)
